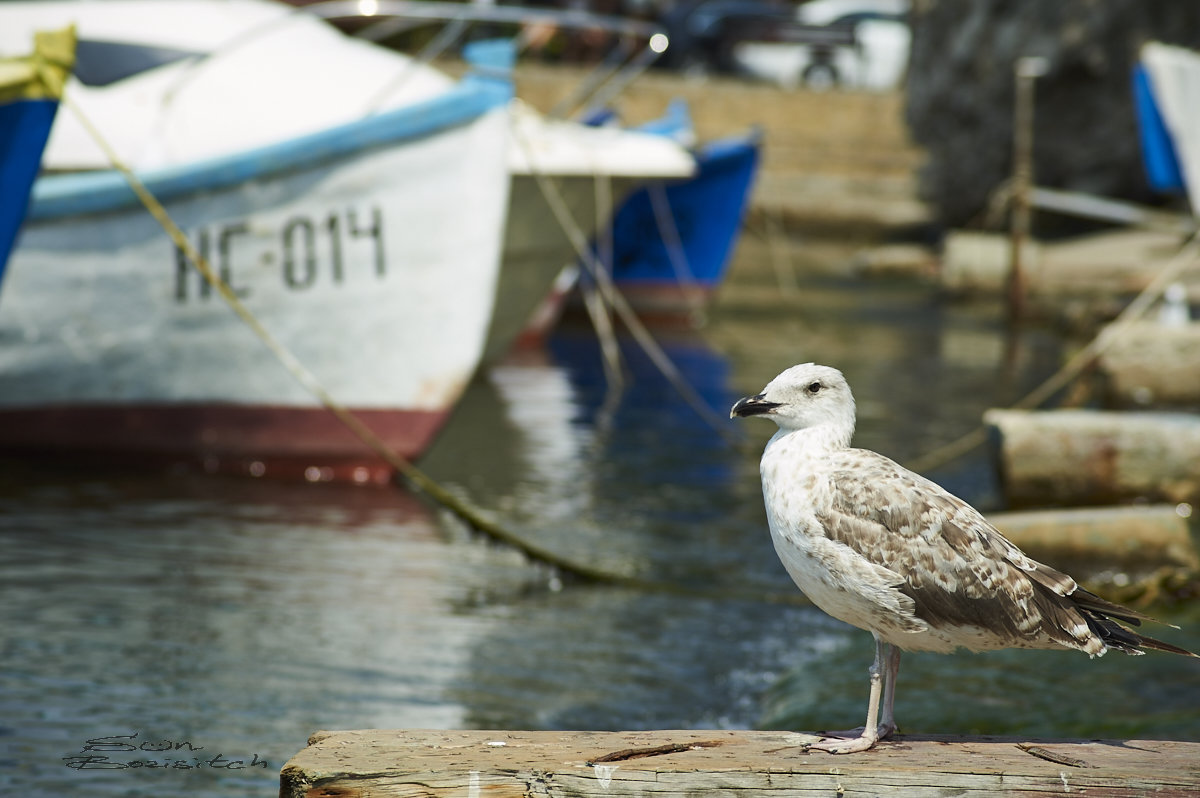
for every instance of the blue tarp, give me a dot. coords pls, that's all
(1158, 150)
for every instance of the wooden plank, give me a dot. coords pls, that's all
(745, 764)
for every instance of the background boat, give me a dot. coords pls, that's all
(365, 237)
(585, 176)
(568, 176)
(669, 244)
(1166, 82)
(672, 243)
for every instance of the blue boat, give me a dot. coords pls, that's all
(672, 242)
(30, 88)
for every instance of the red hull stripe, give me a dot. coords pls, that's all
(287, 442)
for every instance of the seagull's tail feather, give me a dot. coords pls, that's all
(1102, 618)
(1158, 645)
(1090, 602)
(1121, 639)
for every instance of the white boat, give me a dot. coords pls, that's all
(359, 218)
(567, 177)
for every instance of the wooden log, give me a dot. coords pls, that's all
(1153, 364)
(977, 263)
(1093, 457)
(1118, 263)
(1133, 538)
(1077, 283)
(746, 764)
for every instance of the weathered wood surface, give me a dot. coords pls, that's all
(1153, 364)
(746, 764)
(1081, 457)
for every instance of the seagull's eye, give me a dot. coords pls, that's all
(814, 387)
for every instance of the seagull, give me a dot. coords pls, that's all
(884, 549)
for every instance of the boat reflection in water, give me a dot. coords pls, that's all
(543, 436)
(634, 482)
(241, 615)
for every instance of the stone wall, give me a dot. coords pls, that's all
(960, 93)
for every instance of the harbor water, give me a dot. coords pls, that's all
(180, 634)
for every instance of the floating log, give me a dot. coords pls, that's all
(978, 263)
(1092, 457)
(1153, 364)
(1076, 281)
(1131, 538)
(748, 764)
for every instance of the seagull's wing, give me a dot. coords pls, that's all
(963, 576)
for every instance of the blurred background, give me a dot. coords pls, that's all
(540, 251)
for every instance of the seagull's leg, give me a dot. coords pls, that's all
(887, 724)
(870, 731)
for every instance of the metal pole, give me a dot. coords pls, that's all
(1027, 70)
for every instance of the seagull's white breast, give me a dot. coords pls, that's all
(835, 578)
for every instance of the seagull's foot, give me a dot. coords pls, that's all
(853, 745)
(852, 741)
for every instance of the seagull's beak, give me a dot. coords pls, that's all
(752, 406)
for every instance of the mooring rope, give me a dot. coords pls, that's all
(668, 232)
(613, 297)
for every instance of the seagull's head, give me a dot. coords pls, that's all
(802, 397)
